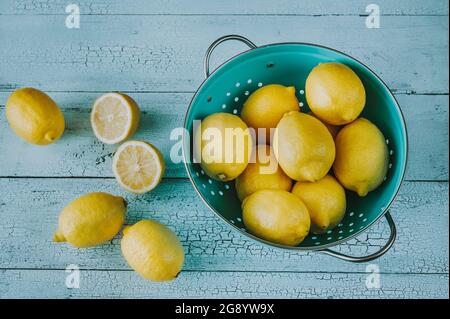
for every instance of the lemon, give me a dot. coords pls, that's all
(333, 129)
(265, 107)
(34, 116)
(304, 147)
(264, 173)
(277, 216)
(152, 250)
(114, 117)
(91, 220)
(361, 157)
(138, 166)
(335, 93)
(325, 200)
(224, 145)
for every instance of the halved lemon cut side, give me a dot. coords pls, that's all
(138, 166)
(114, 117)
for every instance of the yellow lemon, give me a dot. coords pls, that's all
(114, 117)
(325, 200)
(333, 129)
(277, 216)
(224, 144)
(304, 147)
(264, 173)
(335, 93)
(265, 107)
(34, 116)
(152, 250)
(91, 220)
(138, 166)
(361, 157)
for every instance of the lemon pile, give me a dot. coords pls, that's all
(151, 249)
(303, 162)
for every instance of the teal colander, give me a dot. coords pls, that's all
(226, 89)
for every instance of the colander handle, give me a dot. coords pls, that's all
(379, 253)
(221, 40)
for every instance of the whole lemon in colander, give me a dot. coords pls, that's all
(34, 116)
(303, 146)
(335, 93)
(325, 200)
(362, 157)
(333, 129)
(264, 173)
(277, 216)
(223, 144)
(91, 220)
(265, 107)
(152, 250)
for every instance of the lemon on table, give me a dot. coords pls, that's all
(265, 107)
(277, 216)
(303, 146)
(264, 173)
(223, 145)
(34, 116)
(138, 166)
(335, 93)
(361, 157)
(91, 220)
(114, 117)
(325, 200)
(152, 250)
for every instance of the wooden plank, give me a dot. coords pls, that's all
(165, 53)
(30, 208)
(304, 7)
(127, 284)
(78, 153)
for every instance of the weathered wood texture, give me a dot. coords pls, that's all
(79, 153)
(165, 53)
(127, 284)
(30, 208)
(279, 7)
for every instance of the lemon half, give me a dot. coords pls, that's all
(138, 166)
(114, 117)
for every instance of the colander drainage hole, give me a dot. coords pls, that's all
(220, 193)
(235, 111)
(212, 193)
(228, 93)
(247, 93)
(224, 106)
(301, 104)
(238, 84)
(302, 92)
(236, 99)
(351, 214)
(260, 84)
(227, 186)
(249, 81)
(360, 215)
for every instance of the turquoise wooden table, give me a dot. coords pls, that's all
(153, 51)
